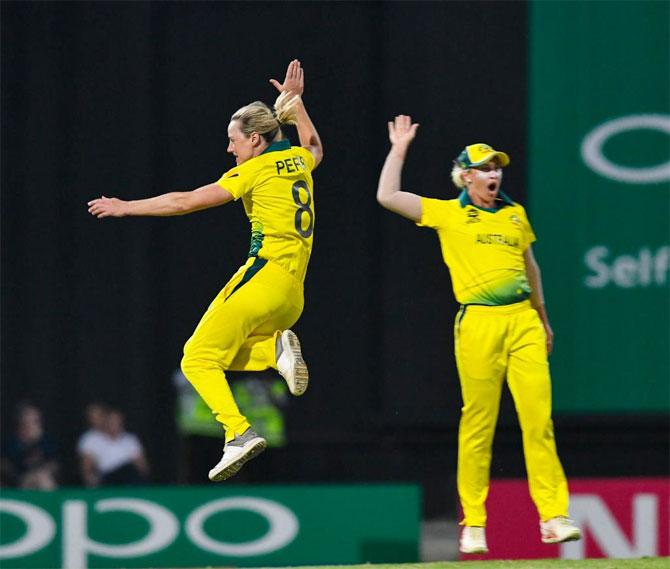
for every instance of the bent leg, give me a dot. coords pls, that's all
(231, 318)
(238, 332)
(258, 352)
(208, 353)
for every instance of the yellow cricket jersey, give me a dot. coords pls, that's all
(482, 247)
(276, 189)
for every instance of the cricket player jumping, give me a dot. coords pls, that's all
(246, 327)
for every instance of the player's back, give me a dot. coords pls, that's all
(276, 189)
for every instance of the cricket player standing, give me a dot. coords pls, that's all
(501, 331)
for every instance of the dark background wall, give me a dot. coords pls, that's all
(131, 100)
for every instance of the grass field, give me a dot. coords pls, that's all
(644, 563)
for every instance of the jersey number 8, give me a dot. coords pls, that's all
(303, 208)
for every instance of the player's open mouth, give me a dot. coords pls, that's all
(492, 187)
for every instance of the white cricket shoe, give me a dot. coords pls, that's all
(473, 540)
(290, 364)
(558, 530)
(236, 453)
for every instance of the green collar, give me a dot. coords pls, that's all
(464, 199)
(284, 144)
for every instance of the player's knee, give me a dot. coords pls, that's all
(184, 364)
(479, 415)
(189, 362)
(195, 361)
(537, 429)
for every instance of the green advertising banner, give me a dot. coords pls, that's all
(209, 526)
(599, 197)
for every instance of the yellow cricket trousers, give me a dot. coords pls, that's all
(494, 342)
(239, 332)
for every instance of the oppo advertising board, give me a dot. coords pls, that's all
(599, 192)
(199, 527)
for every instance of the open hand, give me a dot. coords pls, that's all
(106, 207)
(402, 131)
(294, 80)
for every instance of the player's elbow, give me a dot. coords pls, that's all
(384, 200)
(318, 156)
(184, 203)
(532, 267)
(316, 150)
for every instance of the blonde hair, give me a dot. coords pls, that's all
(457, 176)
(258, 117)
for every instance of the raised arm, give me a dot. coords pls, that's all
(172, 203)
(401, 134)
(295, 83)
(537, 294)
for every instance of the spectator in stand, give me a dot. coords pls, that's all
(96, 415)
(29, 457)
(112, 456)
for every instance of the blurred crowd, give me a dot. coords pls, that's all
(107, 454)
(104, 453)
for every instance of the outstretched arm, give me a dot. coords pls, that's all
(401, 134)
(295, 83)
(537, 295)
(172, 203)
